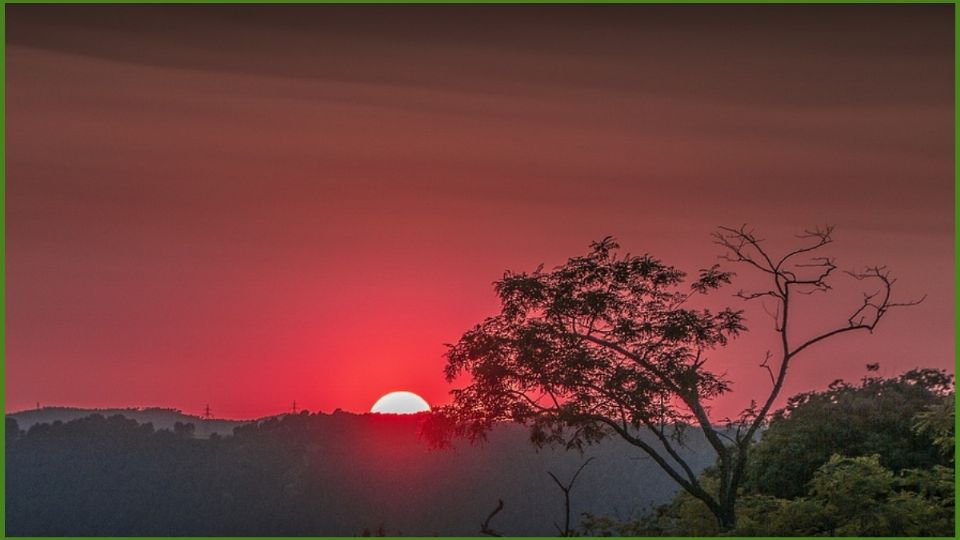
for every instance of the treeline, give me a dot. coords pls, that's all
(869, 459)
(114, 476)
(161, 418)
(308, 474)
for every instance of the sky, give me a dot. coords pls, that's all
(243, 206)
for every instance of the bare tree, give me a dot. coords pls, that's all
(796, 273)
(609, 345)
(566, 489)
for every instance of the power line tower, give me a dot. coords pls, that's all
(294, 408)
(207, 413)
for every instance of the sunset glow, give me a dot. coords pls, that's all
(313, 270)
(229, 220)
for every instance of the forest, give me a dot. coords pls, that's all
(867, 458)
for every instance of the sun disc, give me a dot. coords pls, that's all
(400, 403)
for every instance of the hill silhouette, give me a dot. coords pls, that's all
(161, 418)
(309, 474)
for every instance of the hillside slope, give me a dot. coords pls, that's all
(317, 474)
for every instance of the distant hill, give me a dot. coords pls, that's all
(159, 417)
(310, 474)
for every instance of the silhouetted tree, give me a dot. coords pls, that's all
(12, 429)
(185, 430)
(566, 489)
(609, 344)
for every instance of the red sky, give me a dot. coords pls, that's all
(244, 206)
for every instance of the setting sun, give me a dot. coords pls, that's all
(400, 403)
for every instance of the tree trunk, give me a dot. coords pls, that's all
(727, 515)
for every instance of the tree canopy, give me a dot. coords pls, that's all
(603, 339)
(878, 416)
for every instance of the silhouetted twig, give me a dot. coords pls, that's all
(485, 526)
(567, 488)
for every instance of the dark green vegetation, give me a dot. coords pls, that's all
(874, 459)
(877, 417)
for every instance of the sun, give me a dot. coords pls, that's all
(400, 403)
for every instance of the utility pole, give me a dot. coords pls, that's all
(294, 408)
(206, 412)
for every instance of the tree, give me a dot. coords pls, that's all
(12, 431)
(609, 344)
(185, 430)
(888, 417)
(566, 488)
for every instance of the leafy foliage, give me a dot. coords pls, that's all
(859, 497)
(602, 341)
(847, 497)
(937, 422)
(893, 480)
(875, 417)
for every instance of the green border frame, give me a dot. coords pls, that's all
(3, 161)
